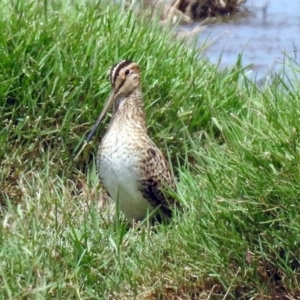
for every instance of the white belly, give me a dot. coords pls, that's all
(118, 173)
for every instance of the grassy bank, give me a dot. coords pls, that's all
(234, 149)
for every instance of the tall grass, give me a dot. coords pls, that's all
(234, 149)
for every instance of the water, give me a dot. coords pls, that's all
(263, 37)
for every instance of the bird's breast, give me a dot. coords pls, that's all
(119, 169)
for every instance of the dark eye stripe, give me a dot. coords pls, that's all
(116, 69)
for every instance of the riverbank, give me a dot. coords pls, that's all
(234, 149)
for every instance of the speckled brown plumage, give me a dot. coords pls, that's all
(130, 166)
(153, 178)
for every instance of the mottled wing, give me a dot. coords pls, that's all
(156, 175)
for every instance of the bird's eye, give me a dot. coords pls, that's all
(127, 72)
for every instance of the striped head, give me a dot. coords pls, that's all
(124, 78)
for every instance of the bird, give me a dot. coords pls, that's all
(130, 166)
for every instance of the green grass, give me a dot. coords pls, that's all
(234, 149)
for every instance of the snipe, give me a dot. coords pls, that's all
(130, 166)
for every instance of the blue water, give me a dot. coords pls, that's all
(272, 30)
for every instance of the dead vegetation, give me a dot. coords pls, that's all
(202, 9)
(189, 11)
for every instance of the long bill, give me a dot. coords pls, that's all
(103, 113)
